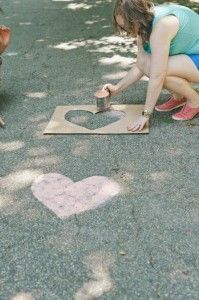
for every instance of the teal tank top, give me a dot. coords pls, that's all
(186, 40)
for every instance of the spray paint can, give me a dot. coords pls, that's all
(103, 100)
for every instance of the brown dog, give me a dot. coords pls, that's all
(5, 34)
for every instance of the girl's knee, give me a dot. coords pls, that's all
(170, 80)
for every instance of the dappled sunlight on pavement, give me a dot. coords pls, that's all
(23, 296)
(19, 179)
(11, 146)
(118, 60)
(103, 45)
(114, 76)
(39, 95)
(99, 264)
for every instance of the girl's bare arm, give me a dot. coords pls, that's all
(164, 31)
(131, 77)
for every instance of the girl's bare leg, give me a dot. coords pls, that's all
(180, 85)
(180, 73)
(175, 95)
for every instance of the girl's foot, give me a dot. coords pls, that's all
(171, 104)
(186, 113)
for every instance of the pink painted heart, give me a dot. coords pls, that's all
(66, 198)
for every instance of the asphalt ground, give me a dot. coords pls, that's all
(143, 242)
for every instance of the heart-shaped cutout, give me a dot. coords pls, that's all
(66, 198)
(94, 121)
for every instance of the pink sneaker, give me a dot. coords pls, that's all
(171, 104)
(186, 113)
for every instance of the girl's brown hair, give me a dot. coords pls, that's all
(134, 12)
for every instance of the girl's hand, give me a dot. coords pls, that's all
(113, 89)
(138, 125)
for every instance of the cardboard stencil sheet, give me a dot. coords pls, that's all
(59, 125)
